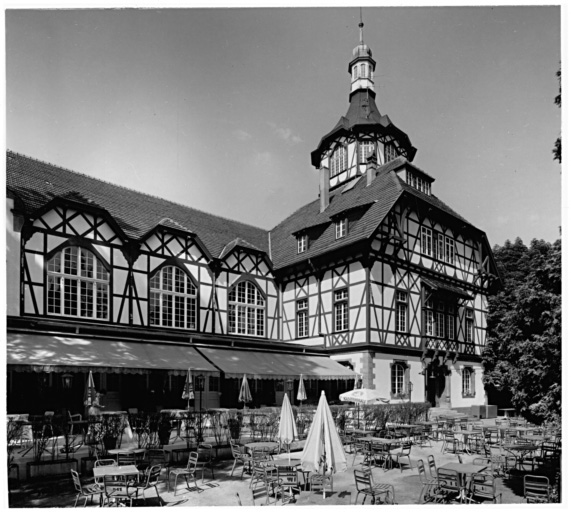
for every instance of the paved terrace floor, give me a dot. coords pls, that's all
(223, 490)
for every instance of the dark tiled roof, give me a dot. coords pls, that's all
(363, 112)
(376, 201)
(37, 183)
(436, 284)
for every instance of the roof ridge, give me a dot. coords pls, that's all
(134, 190)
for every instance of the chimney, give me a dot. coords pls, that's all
(323, 188)
(371, 167)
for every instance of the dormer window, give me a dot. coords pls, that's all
(302, 243)
(338, 160)
(418, 182)
(340, 228)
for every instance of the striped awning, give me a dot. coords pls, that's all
(59, 354)
(274, 365)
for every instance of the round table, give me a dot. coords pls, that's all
(117, 451)
(262, 445)
(286, 463)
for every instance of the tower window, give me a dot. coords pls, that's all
(338, 160)
(365, 149)
(78, 284)
(390, 152)
(172, 299)
(340, 228)
(355, 72)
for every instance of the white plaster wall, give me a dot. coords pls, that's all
(12, 263)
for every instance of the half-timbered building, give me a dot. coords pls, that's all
(376, 277)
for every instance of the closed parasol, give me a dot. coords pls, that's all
(245, 395)
(287, 431)
(188, 390)
(323, 449)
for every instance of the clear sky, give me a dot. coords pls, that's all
(219, 109)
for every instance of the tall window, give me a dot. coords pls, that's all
(340, 228)
(426, 241)
(449, 250)
(173, 299)
(439, 323)
(450, 327)
(440, 247)
(390, 152)
(301, 243)
(341, 309)
(339, 160)
(398, 371)
(469, 326)
(468, 381)
(302, 317)
(78, 284)
(429, 319)
(401, 313)
(246, 310)
(366, 147)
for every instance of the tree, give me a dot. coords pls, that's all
(557, 148)
(523, 353)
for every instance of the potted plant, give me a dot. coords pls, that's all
(235, 426)
(112, 426)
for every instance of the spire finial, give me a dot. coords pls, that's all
(361, 25)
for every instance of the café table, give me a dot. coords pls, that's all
(116, 471)
(261, 445)
(331, 498)
(534, 438)
(464, 470)
(361, 432)
(519, 451)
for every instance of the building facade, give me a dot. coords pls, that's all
(376, 277)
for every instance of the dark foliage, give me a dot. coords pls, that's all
(523, 353)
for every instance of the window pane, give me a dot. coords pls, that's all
(191, 313)
(86, 299)
(54, 265)
(54, 295)
(70, 297)
(232, 319)
(167, 310)
(102, 300)
(178, 311)
(260, 321)
(156, 281)
(241, 310)
(167, 278)
(179, 280)
(86, 261)
(70, 261)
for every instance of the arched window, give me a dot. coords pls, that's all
(355, 71)
(78, 284)
(246, 310)
(172, 299)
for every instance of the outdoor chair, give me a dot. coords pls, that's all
(428, 483)
(482, 488)
(498, 459)
(432, 466)
(450, 441)
(152, 457)
(382, 454)
(239, 457)
(403, 452)
(72, 418)
(320, 482)
(474, 444)
(85, 491)
(364, 484)
(363, 448)
(492, 436)
(103, 462)
(118, 491)
(449, 486)
(536, 489)
(205, 459)
(126, 458)
(440, 430)
(151, 480)
(264, 478)
(189, 470)
(424, 436)
(288, 481)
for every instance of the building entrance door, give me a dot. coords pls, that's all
(435, 386)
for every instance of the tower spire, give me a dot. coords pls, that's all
(361, 25)
(362, 66)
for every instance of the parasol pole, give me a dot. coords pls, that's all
(324, 459)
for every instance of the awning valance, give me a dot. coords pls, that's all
(40, 353)
(437, 285)
(274, 365)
